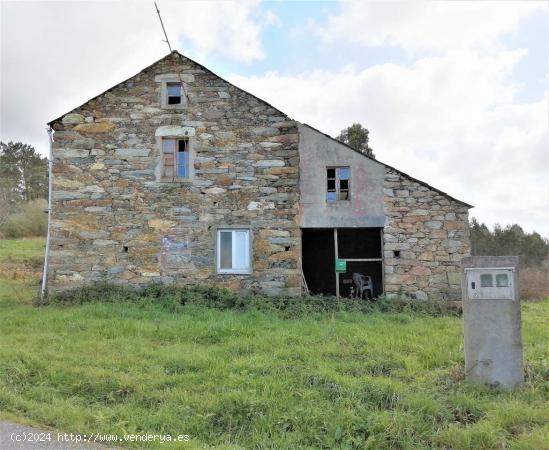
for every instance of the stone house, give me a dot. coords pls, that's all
(177, 176)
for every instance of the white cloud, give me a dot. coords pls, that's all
(57, 55)
(231, 29)
(449, 118)
(449, 121)
(425, 26)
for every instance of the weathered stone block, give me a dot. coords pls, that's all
(269, 163)
(131, 152)
(65, 153)
(73, 118)
(95, 127)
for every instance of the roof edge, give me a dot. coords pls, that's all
(173, 52)
(423, 183)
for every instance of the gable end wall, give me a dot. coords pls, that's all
(113, 220)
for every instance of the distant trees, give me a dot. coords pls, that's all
(23, 174)
(357, 137)
(23, 188)
(511, 240)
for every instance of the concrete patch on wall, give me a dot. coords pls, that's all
(365, 207)
(174, 253)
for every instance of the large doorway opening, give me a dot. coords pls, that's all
(356, 250)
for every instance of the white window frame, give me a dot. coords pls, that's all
(248, 250)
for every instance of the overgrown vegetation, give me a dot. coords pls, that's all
(250, 378)
(23, 190)
(174, 298)
(29, 220)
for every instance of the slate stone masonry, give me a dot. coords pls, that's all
(114, 219)
(425, 237)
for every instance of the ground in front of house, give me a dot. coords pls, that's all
(254, 380)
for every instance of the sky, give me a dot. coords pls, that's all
(453, 93)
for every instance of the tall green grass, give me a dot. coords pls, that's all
(22, 249)
(257, 379)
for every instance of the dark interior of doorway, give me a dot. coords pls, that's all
(319, 255)
(370, 268)
(318, 260)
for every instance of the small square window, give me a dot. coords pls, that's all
(502, 280)
(233, 251)
(337, 186)
(486, 280)
(175, 92)
(175, 163)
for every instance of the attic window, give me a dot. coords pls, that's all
(337, 187)
(175, 158)
(175, 92)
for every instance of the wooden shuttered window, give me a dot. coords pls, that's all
(175, 158)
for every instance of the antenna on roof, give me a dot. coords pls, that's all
(167, 41)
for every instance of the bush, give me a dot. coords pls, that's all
(173, 298)
(30, 221)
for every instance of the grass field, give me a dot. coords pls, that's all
(254, 380)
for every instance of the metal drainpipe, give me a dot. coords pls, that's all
(50, 182)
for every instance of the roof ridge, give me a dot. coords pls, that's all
(173, 52)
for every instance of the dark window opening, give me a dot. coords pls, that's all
(175, 92)
(359, 243)
(396, 253)
(125, 249)
(337, 187)
(359, 247)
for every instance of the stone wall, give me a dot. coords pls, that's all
(115, 220)
(430, 230)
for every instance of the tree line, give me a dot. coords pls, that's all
(510, 240)
(23, 174)
(23, 191)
